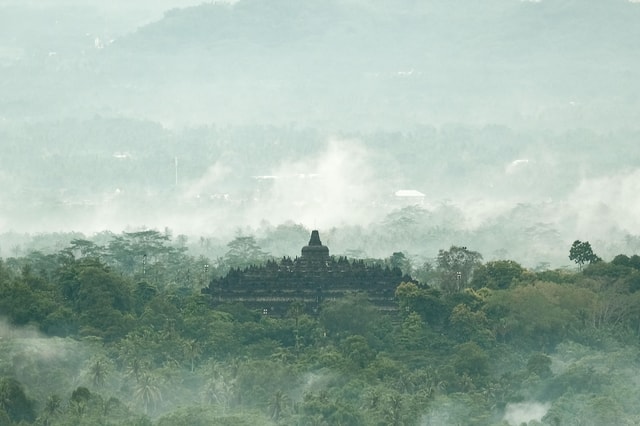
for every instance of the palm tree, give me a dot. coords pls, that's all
(5, 396)
(148, 392)
(235, 365)
(218, 391)
(213, 392)
(277, 404)
(53, 405)
(78, 407)
(98, 372)
(393, 413)
(192, 350)
(136, 368)
(466, 382)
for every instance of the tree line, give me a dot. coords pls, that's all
(119, 333)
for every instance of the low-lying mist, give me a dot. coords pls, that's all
(528, 205)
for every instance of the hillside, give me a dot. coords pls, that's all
(343, 65)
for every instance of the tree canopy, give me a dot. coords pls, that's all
(93, 338)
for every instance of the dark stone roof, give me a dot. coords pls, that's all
(315, 247)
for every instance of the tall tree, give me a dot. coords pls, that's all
(134, 251)
(455, 268)
(581, 253)
(244, 251)
(277, 404)
(98, 372)
(52, 407)
(192, 351)
(148, 392)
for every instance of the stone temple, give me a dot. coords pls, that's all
(311, 279)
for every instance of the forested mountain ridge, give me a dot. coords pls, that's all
(117, 332)
(281, 24)
(556, 64)
(427, 60)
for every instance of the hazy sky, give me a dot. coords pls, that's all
(337, 105)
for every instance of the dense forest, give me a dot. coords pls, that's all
(114, 330)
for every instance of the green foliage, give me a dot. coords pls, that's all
(159, 354)
(243, 252)
(581, 253)
(539, 315)
(624, 260)
(205, 416)
(466, 325)
(14, 402)
(136, 251)
(240, 312)
(143, 294)
(499, 274)
(413, 332)
(471, 359)
(353, 315)
(577, 379)
(456, 267)
(98, 370)
(356, 349)
(557, 276)
(539, 364)
(81, 394)
(615, 275)
(147, 391)
(84, 248)
(590, 410)
(427, 302)
(61, 322)
(400, 261)
(22, 304)
(321, 407)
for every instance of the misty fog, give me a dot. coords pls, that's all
(508, 126)
(213, 117)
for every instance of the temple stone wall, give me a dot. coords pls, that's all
(312, 278)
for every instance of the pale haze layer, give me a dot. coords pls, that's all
(512, 124)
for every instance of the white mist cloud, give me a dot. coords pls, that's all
(603, 204)
(27, 342)
(524, 412)
(333, 188)
(207, 184)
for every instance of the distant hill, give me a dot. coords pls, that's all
(339, 64)
(490, 31)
